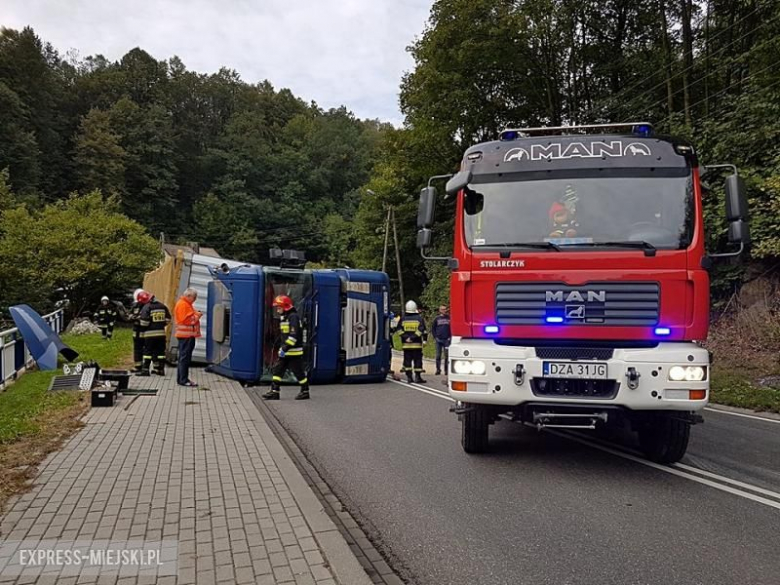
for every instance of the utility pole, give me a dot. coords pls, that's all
(398, 261)
(387, 235)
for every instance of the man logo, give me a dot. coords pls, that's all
(596, 149)
(575, 296)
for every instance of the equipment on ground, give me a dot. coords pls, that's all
(580, 285)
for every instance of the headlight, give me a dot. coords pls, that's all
(465, 367)
(687, 373)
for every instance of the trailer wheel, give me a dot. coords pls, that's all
(664, 437)
(475, 424)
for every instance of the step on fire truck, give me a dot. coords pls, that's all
(580, 286)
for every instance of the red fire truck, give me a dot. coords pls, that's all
(580, 285)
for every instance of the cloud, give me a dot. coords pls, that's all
(334, 52)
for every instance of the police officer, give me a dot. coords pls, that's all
(443, 337)
(291, 351)
(413, 336)
(141, 297)
(154, 317)
(106, 316)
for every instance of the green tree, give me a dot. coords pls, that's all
(82, 247)
(99, 157)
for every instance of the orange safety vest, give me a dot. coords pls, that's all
(187, 319)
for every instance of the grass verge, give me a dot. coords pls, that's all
(734, 389)
(34, 422)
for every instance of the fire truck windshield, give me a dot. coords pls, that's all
(581, 212)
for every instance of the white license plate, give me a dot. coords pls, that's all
(589, 371)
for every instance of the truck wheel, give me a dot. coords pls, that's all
(476, 422)
(664, 437)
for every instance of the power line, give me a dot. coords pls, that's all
(719, 68)
(724, 90)
(649, 77)
(714, 71)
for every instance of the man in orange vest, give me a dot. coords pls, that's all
(187, 331)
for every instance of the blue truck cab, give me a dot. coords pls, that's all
(344, 314)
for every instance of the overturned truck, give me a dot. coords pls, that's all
(344, 313)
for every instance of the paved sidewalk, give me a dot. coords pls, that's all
(194, 469)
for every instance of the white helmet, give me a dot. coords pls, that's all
(136, 293)
(103, 298)
(411, 307)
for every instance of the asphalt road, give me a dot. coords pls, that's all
(542, 508)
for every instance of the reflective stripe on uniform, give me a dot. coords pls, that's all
(277, 378)
(291, 341)
(153, 333)
(411, 345)
(304, 381)
(294, 352)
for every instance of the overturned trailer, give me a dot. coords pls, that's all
(345, 317)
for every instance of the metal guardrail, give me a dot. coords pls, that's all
(14, 356)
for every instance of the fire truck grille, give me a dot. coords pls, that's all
(575, 353)
(609, 303)
(567, 388)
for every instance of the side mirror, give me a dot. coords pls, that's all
(739, 232)
(424, 237)
(736, 202)
(458, 182)
(426, 212)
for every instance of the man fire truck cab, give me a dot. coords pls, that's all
(579, 284)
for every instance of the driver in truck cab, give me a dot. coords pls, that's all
(563, 215)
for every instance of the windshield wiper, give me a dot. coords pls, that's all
(540, 245)
(647, 247)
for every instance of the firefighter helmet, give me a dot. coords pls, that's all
(136, 293)
(104, 298)
(411, 307)
(144, 297)
(283, 302)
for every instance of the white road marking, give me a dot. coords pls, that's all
(753, 416)
(692, 475)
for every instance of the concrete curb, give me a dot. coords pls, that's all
(343, 563)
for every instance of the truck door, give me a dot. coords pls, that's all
(298, 285)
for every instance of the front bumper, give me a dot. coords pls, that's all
(640, 377)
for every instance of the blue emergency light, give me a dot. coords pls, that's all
(491, 329)
(662, 331)
(554, 319)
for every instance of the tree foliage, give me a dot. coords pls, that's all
(81, 247)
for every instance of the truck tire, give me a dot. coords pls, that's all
(475, 423)
(664, 437)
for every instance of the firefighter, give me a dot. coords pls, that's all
(154, 317)
(141, 297)
(563, 215)
(413, 336)
(290, 352)
(106, 316)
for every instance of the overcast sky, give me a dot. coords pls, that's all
(350, 52)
